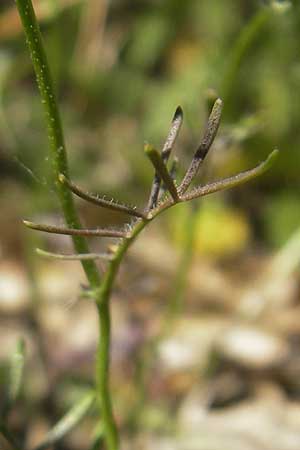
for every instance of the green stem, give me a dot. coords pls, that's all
(110, 275)
(55, 131)
(59, 163)
(102, 361)
(102, 377)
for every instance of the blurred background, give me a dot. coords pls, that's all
(206, 329)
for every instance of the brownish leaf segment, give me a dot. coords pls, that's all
(205, 144)
(165, 154)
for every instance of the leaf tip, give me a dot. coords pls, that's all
(148, 148)
(27, 223)
(271, 158)
(178, 112)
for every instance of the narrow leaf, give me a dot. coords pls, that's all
(233, 181)
(74, 256)
(167, 148)
(205, 144)
(76, 232)
(100, 201)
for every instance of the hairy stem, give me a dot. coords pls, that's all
(55, 131)
(109, 204)
(107, 232)
(59, 163)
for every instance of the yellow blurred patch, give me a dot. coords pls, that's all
(219, 229)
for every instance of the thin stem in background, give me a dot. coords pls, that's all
(87, 53)
(241, 47)
(68, 421)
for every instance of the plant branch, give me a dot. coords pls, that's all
(104, 293)
(109, 204)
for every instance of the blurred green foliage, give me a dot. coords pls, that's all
(121, 69)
